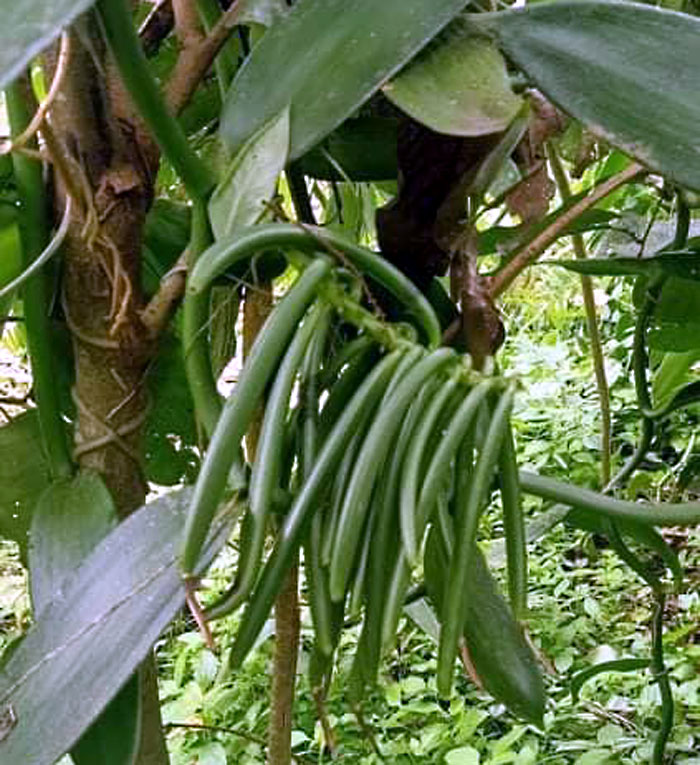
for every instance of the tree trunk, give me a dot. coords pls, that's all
(101, 154)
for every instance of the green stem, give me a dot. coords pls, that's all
(198, 365)
(639, 454)
(658, 666)
(649, 513)
(592, 324)
(639, 354)
(143, 89)
(34, 231)
(661, 677)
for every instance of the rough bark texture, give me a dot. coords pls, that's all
(112, 162)
(284, 673)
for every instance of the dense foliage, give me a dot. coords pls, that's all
(342, 225)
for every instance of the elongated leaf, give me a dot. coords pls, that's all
(70, 519)
(28, 27)
(92, 636)
(24, 475)
(458, 86)
(628, 71)
(325, 59)
(685, 265)
(239, 200)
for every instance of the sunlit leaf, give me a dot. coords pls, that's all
(627, 71)
(249, 182)
(458, 86)
(324, 59)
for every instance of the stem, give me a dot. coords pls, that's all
(639, 454)
(502, 279)
(592, 324)
(143, 89)
(200, 376)
(661, 677)
(257, 307)
(194, 62)
(658, 666)
(225, 63)
(34, 229)
(287, 619)
(287, 625)
(649, 513)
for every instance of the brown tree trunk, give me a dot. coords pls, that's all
(101, 155)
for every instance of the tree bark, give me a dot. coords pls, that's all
(112, 164)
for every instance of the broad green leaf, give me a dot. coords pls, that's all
(628, 71)
(28, 27)
(325, 59)
(676, 320)
(672, 374)
(96, 631)
(458, 85)
(250, 180)
(361, 149)
(167, 232)
(71, 517)
(114, 736)
(24, 474)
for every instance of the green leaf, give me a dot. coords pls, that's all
(361, 149)
(70, 519)
(171, 432)
(458, 85)
(672, 374)
(325, 59)
(28, 27)
(167, 232)
(250, 181)
(114, 736)
(464, 755)
(88, 641)
(628, 71)
(676, 321)
(24, 474)
(685, 265)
